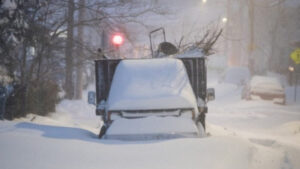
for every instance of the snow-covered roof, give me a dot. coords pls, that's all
(150, 84)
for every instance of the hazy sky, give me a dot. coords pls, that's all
(183, 17)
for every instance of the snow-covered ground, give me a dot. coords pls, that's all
(242, 134)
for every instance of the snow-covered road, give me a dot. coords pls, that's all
(271, 130)
(242, 134)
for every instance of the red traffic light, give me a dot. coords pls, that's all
(117, 39)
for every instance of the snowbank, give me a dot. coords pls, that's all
(78, 113)
(80, 108)
(151, 84)
(290, 128)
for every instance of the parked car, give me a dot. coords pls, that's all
(263, 87)
(235, 75)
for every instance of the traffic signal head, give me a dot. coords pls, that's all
(117, 39)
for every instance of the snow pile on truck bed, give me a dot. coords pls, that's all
(151, 84)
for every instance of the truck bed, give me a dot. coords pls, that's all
(195, 68)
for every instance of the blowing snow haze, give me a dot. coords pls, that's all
(260, 32)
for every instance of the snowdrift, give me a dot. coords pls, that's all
(152, 128)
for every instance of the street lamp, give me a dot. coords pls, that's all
(224, 19)
(291, 68)
(204, 1)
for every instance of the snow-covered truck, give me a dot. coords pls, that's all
(169, 89)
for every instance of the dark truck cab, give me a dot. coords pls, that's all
(195, 68)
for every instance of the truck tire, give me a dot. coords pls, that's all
(201, 130)
(202, 119)
(102, 131)
(201, 124)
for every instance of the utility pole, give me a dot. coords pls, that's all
(226, 45)
(69, 87)
(80, 65)
(251, 42)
